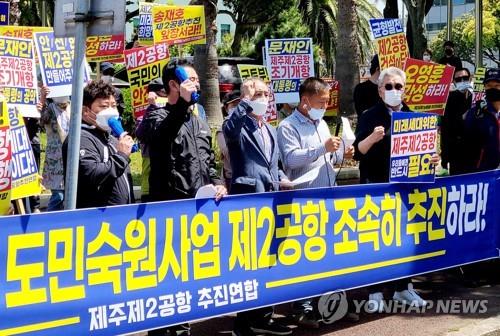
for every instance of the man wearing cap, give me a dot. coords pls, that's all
(230, 101)
(366, 94)
(108, 76)
(449, 57)
(482, 127)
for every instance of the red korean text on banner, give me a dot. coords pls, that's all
(105, 48)
(427, 85)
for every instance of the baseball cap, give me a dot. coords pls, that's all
(155, 85)
(231, 97)
(106, 65)
(491, 74)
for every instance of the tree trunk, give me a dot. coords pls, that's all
(239, 33)
(206, 65)
(391, 10)
(347, 54)
(15, 13)
(417, 41)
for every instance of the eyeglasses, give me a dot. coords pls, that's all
(194, 79)
(461, 79)
(389, 86)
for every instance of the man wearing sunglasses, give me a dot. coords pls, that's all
(452, 126)
(373, 150)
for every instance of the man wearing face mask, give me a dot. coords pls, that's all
(306, 144)
(55, 118)
(373, 151)
(452, 124)
(254, 153)
(104, 177)
(449, 57)
(482, 127)
(108, 76)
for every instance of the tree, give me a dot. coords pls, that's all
(206, 65)
(464, 35)
(324, 22)
(415, 30)
(15, 13)
(250, 15)
(347, 54)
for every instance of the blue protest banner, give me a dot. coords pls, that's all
(385, 27)
(124, 269)
(413, 142)
(4, 13)
(56, 62)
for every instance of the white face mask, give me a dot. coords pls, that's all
(316, 114)
(259, 106)
(103, 117)
(463, 86)
(393, 97)
(426, 58)
(108, 79)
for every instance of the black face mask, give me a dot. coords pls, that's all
(492, 95)
(448, 52)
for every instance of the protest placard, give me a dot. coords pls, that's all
(105, 48)
(22, 31)
(145, 28)
(4, 13)
(478, 84)
(120, 270)
(179, 24)
(333, 104)
(390, 42)
(289, 61)
(413, 142)
(143, 65)
(260, 71)
(18, 75)
(427, 85)
(24, 169)
(56, 63)
(5, 158)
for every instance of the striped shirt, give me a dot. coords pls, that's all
(302, 147)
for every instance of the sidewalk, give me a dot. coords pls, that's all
(436, 286)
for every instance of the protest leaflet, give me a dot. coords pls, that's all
(143, 65)
(18, 75)
(390, 42)
(289, 61)
(24, 169)
(427, 85)
(260, 71)
(413, 142)
(105, 48)
(56, 63)
(145, 29)
(5, 157)
(179, 24)
(478, 84)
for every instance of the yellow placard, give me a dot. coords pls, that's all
(179, 24)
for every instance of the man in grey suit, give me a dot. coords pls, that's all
(252, 143)
(253, 149)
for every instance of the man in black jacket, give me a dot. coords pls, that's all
(453, 139)
(104, 177)
(449, 57)
(182, 160)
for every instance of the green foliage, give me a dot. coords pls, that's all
(224, 49)
(464, 35)
(128, 120)
(253, 14)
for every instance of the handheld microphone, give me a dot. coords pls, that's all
(182, 75)
(117, 130)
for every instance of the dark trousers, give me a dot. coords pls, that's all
(254, 317)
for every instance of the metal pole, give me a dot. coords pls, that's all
(44, 13)
(82, 10)
(479, 33)
(449, 20)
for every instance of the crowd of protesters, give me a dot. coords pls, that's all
(178, 155)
